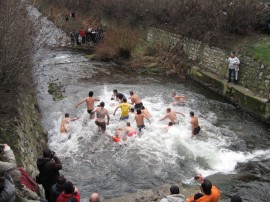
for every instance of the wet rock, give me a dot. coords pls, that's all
(56, 90)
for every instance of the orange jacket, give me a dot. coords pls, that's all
(213, 197)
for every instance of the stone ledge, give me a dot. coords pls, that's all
(239, 95)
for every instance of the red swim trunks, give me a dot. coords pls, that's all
(132, 133)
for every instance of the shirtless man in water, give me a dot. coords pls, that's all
(194, 124)
(89, 103)
(118, 96)
(172, 116)
(130, 131)
(64, 128)
(139, 117)
(100, 120)
(179, 99)
(146, 112)
(135, 100)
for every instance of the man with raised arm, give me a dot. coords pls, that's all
(139, 117)
(64, 128)
(135, 100)
(100, 120)
(172, 116)
(194, 124)
(125, 107)
(90, 101)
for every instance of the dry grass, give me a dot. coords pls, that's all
(118, 42)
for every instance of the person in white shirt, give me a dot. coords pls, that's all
(234, 63)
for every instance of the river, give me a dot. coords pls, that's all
(233, 146)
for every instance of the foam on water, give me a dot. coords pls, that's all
(208, 153)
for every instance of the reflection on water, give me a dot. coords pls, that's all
(95, 163)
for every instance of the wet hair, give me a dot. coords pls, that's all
(236, 198)
(174, 189)
(206, 186)
(102, 104)
(131, 93)
(143, 107)
(2, 147)
(47, 153)
(124, 99)
(66, 115)
(69, 188)
(115, 90)
(120, 96)
(72, 199)
(191, 114)
(91, 93)
(128, 123)
(61, 179)
(168, 110)
(170, 124)
(132, 109)
(139, 111)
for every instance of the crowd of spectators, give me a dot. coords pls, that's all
(86, 37)
(16, 184)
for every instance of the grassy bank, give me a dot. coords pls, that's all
(260, 50)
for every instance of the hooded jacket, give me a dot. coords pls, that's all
(9, 157)
(49, 171)
(174, 198)
(65, 197)
(56, 190)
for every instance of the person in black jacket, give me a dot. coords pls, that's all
(58, 188)
(48, 166)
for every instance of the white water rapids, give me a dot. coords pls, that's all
(95, 163)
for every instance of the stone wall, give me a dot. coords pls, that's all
(31, 136)
(24, 132)
(253, 74)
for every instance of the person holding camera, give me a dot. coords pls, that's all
(48, 166)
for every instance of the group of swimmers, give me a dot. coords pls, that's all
(126, 108)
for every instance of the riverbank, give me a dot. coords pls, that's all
(149, 195)
(162, 52)
(20, 116)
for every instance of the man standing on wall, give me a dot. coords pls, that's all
(234, 63)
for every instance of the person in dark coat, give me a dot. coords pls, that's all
(58, 188)
(69, 192)
(48, 166)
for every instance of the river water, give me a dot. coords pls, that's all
(233, 146)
